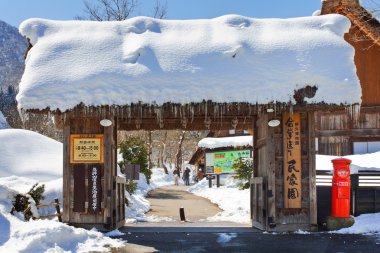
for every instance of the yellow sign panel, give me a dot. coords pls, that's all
(86, 148)
(292, 160)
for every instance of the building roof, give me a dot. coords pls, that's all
(233, 142)
(227, 59)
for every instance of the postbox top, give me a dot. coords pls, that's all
(341, 161)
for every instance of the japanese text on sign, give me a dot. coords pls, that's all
(86, 148)
(94, 190)
(292, 160)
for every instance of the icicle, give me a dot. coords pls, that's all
(221, 115)
(353, 111)
(192, 113)
(205, 110)
(216, 111)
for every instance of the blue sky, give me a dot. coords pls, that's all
(15, 11)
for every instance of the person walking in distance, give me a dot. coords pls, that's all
(186, 175)
(176, 176)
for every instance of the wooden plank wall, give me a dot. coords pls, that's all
(337, 131)
(367, 61)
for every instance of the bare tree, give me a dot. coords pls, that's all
(163, 156)
(160, 10)
(150, 147)
(178, 164)
(117, 10)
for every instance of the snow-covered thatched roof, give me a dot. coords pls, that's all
(227, 59)
(224, 142)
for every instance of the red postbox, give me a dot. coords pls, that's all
(341, 185)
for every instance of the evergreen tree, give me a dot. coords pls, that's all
(20, 201)
(135, 151)
(11, 90)
(244, 169)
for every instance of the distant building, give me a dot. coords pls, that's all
(337, 133)
(218, 155)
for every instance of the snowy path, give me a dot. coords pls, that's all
(166, 201)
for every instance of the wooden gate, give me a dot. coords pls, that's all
(268, 208)
(258, 203)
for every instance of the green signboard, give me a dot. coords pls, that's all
(223, 161)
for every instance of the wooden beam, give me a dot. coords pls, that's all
(348, 132)
(312, 169)
(195, 124)
(271, 178)
(108, 176)
(66, 172)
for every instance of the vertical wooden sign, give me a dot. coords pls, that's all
(292, 160)
(94, 189)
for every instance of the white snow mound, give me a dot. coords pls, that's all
(28, 154)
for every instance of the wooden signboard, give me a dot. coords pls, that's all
(292, 160)
(86, 148)
(94, 190)
(132, 171)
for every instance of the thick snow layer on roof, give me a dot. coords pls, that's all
(236, 141)
(227, 59)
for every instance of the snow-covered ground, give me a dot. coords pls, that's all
(233, 202)
(25, 159)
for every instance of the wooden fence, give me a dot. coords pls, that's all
(365, 193)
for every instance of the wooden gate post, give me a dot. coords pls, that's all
(89, 169)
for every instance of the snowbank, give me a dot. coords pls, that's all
(3, 122)
(37, 236)
(364, 224)
(49, 236)
(28, 154)
(236, 141)
(359, 162)
(233, 202)
(156, 61)
(17, 235)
